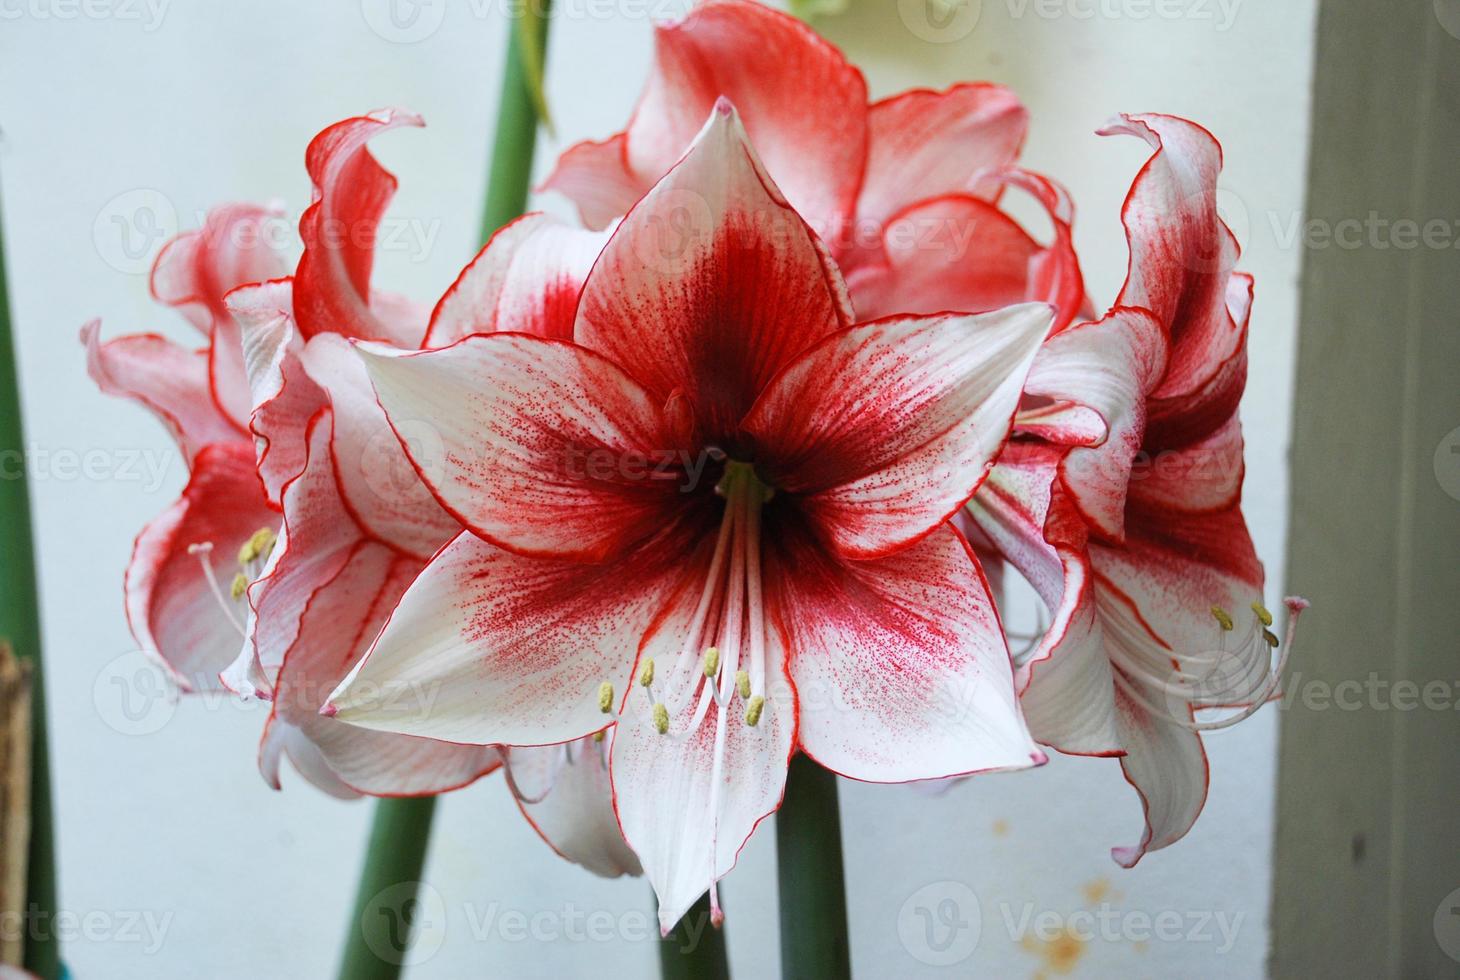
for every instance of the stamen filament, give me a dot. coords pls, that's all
(201, 551)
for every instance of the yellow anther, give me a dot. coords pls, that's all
(1262, 613)
(712, 661)
(646, 672)
(605, 697)
(752, 713)
(598, 736)
(239, 586)
(1223, 620)
(1271, 638)
(260, 543)
(661, 718)
(742, 683)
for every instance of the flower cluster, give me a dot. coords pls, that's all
(648, 504)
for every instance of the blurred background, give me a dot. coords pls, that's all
(124, 120)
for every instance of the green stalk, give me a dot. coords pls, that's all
(694, 949)
(379, 938)
(813, 888)
(517, 117)
(20, 624)
(385, 903)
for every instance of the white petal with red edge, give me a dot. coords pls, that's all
(173, 610)
(712, 283)
(525, 440)
(900, 665)
(170, 381)
(886, 429)
(1167, 765)
(343, 615)
(1182, 253)
(195, 270)
(283, 396)
(1105, 368)
(332, 283)
(684, 816)
(1064, 681)
(526, 280)
(377, 483)
(565, 793)
(490, 647)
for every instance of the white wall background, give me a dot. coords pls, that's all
(114, 104)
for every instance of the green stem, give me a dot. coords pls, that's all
(385, 903)
(20, 624)
(517, 119)
(379, 938)
(813, 890)
(694, 949)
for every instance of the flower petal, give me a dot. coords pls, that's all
(283, 396)
(960, 252)
(493, 647)
(343, 614)
(900, 665)
(195, 270)
(1182, 253)
(595, 176)
(568, 799)
(377, 483)
(712, 283)
(172, 608)
(526, 280)
(815, 143)
(925, 144)
(170, 381)
(1154, 596)
(1064, 682)
(1167, 766)
(684, 813)
(1104, 368)
(332, 284)
(885, 430)
(527, 442)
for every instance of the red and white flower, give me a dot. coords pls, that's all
(719, 514)
(183, 594)
(904, 191)
(358, 524)
(1136, 541)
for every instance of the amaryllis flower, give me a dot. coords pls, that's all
(717, 516)
(184, 585)
(1137, 544)
(358, 525)
(892, 187)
